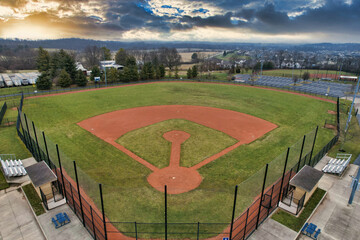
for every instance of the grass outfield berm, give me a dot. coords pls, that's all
(128, 196)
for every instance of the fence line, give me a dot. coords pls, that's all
(2, 112)
(242, 227)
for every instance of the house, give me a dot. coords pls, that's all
(79, 66)
(110, 64)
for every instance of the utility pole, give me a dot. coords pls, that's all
(354, 184)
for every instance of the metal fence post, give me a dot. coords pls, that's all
(28, 131)
(102, 209)
(246, 220)
(302, 148)
(272, 191)
(262, 194)
(78, 189)
(46, 148)
(233, 213)
(283, 175)
(37, 142)
(165, 192)
(312, 149)
(136, 232)
(92, 221)
(61, 172)
(198, 231)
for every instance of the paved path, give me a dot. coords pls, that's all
(72, 231)
(17, 222)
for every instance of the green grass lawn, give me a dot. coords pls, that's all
(3, 183)
(148, 142)
(127, 194)
(299, 72)
(11, 143)
(295, 223)
(34, 199)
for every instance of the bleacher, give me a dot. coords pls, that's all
(337, 165)
(13, 168)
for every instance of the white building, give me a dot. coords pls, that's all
(110, 64)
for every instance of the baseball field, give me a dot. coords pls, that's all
(215, 135)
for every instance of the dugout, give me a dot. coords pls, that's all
(305, 182)
(46, 184)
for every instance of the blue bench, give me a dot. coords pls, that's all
(61, 220)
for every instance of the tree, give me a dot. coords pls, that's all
(194, 57)
(95, 72)
(189, 73)
(130, 61)
(105, 53)
(43, 60)
(130, 74)
(147, 72)
(121, 56)
(64, 79)
(92, 55)
(194, 71)
(177, 72)
(44, 81)
(169, 57)
(162, 71)
(295, 80)
(306, 76)
(81, 80)
(112, 75)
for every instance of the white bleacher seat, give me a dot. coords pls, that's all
(20, 162)
(7, 163)
(11, 172)
(23, 170)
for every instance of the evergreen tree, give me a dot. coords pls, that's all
(64, 79)
(131, 74)
(130, 61)
(189, 73)
(81, 80)
(121, 56)
(112, 75)
(44, 81)
(194, 71)
(43, 60)
(105, 54)
(162, 71)
(95, 72)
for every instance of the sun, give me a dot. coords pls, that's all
(30, 31)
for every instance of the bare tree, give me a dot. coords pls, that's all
(92, 56)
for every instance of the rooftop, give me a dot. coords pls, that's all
(306, 178)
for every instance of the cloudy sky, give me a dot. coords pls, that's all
(289, 21)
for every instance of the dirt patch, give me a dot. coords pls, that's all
(331, 112)
(330, 126)
(111, 126)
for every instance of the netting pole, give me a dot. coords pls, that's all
(165, 192)
(246, 220)
(270, 203)
(302, 148)
(198, 231)
(22, 128)
(46, 148)
(102, 209)
(262, 194)
(338, 115)
(233, 213)
(92, 221)
(78, 189)
(283, 176)
(312, 149)
(28, 131)
(61, 172)
(37, 143)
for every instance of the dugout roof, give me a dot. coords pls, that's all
(40, 174)
(306, 178)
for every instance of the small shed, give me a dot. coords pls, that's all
(46, 184)
(305, 182)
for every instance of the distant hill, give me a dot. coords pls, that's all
(80, 44)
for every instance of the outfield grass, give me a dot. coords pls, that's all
(127, 195)
(11, 143)
(295, 223)
(149, 144)
(298, 72)
(34, 199)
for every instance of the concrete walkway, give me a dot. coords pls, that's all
(17, 221)
(72, 231)
(334, 217)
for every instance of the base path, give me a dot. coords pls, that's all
(111, 126)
